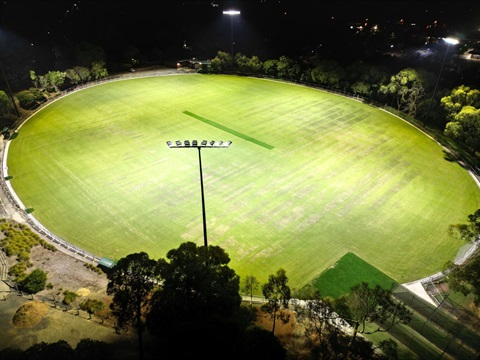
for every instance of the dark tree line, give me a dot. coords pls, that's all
(189, 303)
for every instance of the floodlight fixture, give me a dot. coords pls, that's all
(231, 13)
(203, 144)
(451, 41)
(196, 144)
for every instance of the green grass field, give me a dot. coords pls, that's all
(309, 177)
(347, 272)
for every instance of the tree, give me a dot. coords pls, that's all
(407, 88)
(30, 99)
(83, 73)
(35, 281)
(69, 297)
(91, 306)
(131, 282)
(55, 79)
(131, 55)
(466, 232)
(465, 127)
(255, 64)
(86, 54)
(261, 344)
(58, 350)
(458, 98)
(365, 78)
(372, 304)
(466, 278)
(198, 299)
(288, 68)
(6, 106)
(328, 73)
(242, 62)
(98, 70)
(318, 318)
(94, 349)
(389, 348)
(221, 61)
(270, 67)
(277, 294)
(251, 284)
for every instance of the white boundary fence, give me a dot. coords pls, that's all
(30, 219)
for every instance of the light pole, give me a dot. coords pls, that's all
(9, 91)
(232, 13)
(204, 144)
(449, 41)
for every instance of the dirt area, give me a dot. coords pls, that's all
(289, 334)
(46, 318)
(65, 272)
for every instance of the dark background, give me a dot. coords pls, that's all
(42, 35)
(275, 26)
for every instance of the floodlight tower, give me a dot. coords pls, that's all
(231, 13)
(449, 41)
(204, 144)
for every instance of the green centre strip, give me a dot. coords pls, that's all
(230, 131)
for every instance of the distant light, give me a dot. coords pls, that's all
(231, 12)
(451, 41)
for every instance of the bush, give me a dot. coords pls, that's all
(93, 268)
(69, 297)
(23, 256)
(18, 270)
(35, 281)
(30, 99)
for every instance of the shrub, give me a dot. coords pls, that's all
(18, 270)
(35, 281)
(30, 99)
(23, 256)
(69, 297)
(93, 268)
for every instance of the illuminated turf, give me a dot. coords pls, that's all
(309, 176)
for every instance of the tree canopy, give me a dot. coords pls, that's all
(198, 299)
(131, 282)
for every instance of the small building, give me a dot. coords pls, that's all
(105, 262)
(474, 54)
(195, 64)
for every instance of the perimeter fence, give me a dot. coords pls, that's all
(444, 331)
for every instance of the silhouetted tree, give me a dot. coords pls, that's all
(198, 300)
(131, 282)
(277, 294)
(364, 303)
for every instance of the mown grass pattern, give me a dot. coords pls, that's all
(342, 177)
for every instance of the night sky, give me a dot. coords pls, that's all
(264, 26)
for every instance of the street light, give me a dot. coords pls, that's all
(232, 13)
(449, 41)
(204, 144)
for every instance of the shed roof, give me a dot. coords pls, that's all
(106, 262)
